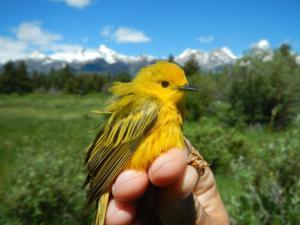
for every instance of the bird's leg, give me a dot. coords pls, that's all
(195, 159)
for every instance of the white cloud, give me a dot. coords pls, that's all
(30, 37)
(127, 35)
(206, 39)
(124, 35)
(32, 33)
(80, 4)
(11, 49)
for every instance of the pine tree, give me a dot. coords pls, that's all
(123, 77)
(39, 81)
(171, 58)
(23, 84)
(15, 79)
(7, 83)
(64, 76)
(191, 67)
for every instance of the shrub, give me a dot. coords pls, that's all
(271, 181)
(221, 147)
(266, 92)
(198, 103)
(44, 187)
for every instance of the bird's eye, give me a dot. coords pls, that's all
(165, 83)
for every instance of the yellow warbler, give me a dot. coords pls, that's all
(144, 119)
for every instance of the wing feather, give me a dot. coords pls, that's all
(116, 142)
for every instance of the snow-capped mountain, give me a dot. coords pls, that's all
(208, 60)
(102, 59)
(107, 60)
(103, 52)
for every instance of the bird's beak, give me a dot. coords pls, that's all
(187, 87)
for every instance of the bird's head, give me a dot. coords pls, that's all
(164, 80)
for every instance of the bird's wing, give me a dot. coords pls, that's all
(117, 140)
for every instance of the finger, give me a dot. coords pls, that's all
(207, 192)
(182, 188)
(120, 213)
(210, 199)
(167, 168)
(130, 185)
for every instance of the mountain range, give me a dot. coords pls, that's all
(107, 60)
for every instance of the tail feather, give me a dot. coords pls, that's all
(101, 209)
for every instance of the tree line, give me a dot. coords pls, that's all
(16, 79)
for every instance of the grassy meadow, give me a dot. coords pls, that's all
(42, 142)
(43, 138)
(45, 122)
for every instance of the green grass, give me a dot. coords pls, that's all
(47, 122)
(228, 187)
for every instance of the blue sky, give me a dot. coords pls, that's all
(146, 27)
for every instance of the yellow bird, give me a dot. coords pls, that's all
(144, 119)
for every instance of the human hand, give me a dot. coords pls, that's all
(181, 197)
